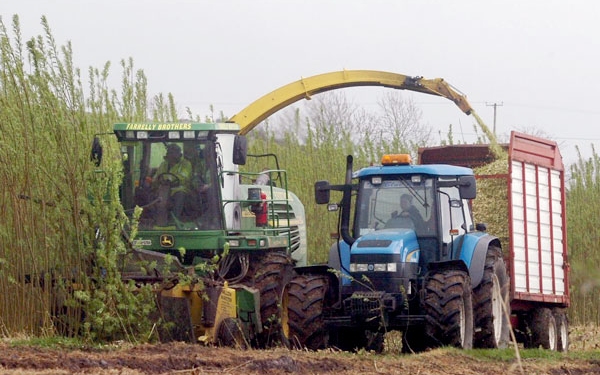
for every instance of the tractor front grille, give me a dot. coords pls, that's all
(364, 303)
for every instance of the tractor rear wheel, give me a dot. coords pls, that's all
(271, 274)
(542, 326)
(490, 299)
(306, 298)
(448, 309)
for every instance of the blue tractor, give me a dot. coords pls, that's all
(411, 260)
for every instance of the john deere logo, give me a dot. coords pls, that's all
(166, 240)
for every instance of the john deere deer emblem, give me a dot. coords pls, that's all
(166, 240)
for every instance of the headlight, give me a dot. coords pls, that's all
(359, 267)
(380, 267)
(377, 267)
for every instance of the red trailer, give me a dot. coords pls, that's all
(529, 194)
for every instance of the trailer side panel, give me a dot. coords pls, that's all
(538, 253)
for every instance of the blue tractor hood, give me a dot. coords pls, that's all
(397, 241)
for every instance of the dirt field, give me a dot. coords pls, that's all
(182, 358)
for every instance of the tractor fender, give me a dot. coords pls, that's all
(339, 260)
(474, 252)
(454, 264)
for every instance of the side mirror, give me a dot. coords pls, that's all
(322, 192)
(96, 154)
(240, 150)
(467, 187)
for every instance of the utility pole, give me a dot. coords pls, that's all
(495, 105)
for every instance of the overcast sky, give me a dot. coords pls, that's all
(539, 59)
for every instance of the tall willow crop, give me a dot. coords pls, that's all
(583, 211)
(61, 221)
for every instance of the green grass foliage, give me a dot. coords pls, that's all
(583, 213)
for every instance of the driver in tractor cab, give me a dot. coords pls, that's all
(407, 211)
(175, 171)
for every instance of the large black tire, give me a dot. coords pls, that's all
(272, 275)
(230, 334)
(306, 300)
(490, 299)
(448, 309)
(562, 329)
(542, 327)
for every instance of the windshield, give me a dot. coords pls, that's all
(403, 202)
(173, 183)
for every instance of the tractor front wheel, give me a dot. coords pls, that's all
(306, 298)
(448, 309)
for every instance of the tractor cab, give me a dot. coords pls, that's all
(428, 203)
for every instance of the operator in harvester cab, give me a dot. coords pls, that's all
(176, 172)
(409, 215)
(200, 178)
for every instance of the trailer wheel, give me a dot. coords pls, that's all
(490, 298)
(562, 330)
(448, 309)
(542, 326)
(271, 277)
(306, 298)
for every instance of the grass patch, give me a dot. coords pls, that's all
(53, 342)
(508, 355)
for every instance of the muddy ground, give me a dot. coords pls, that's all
(180, 358)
